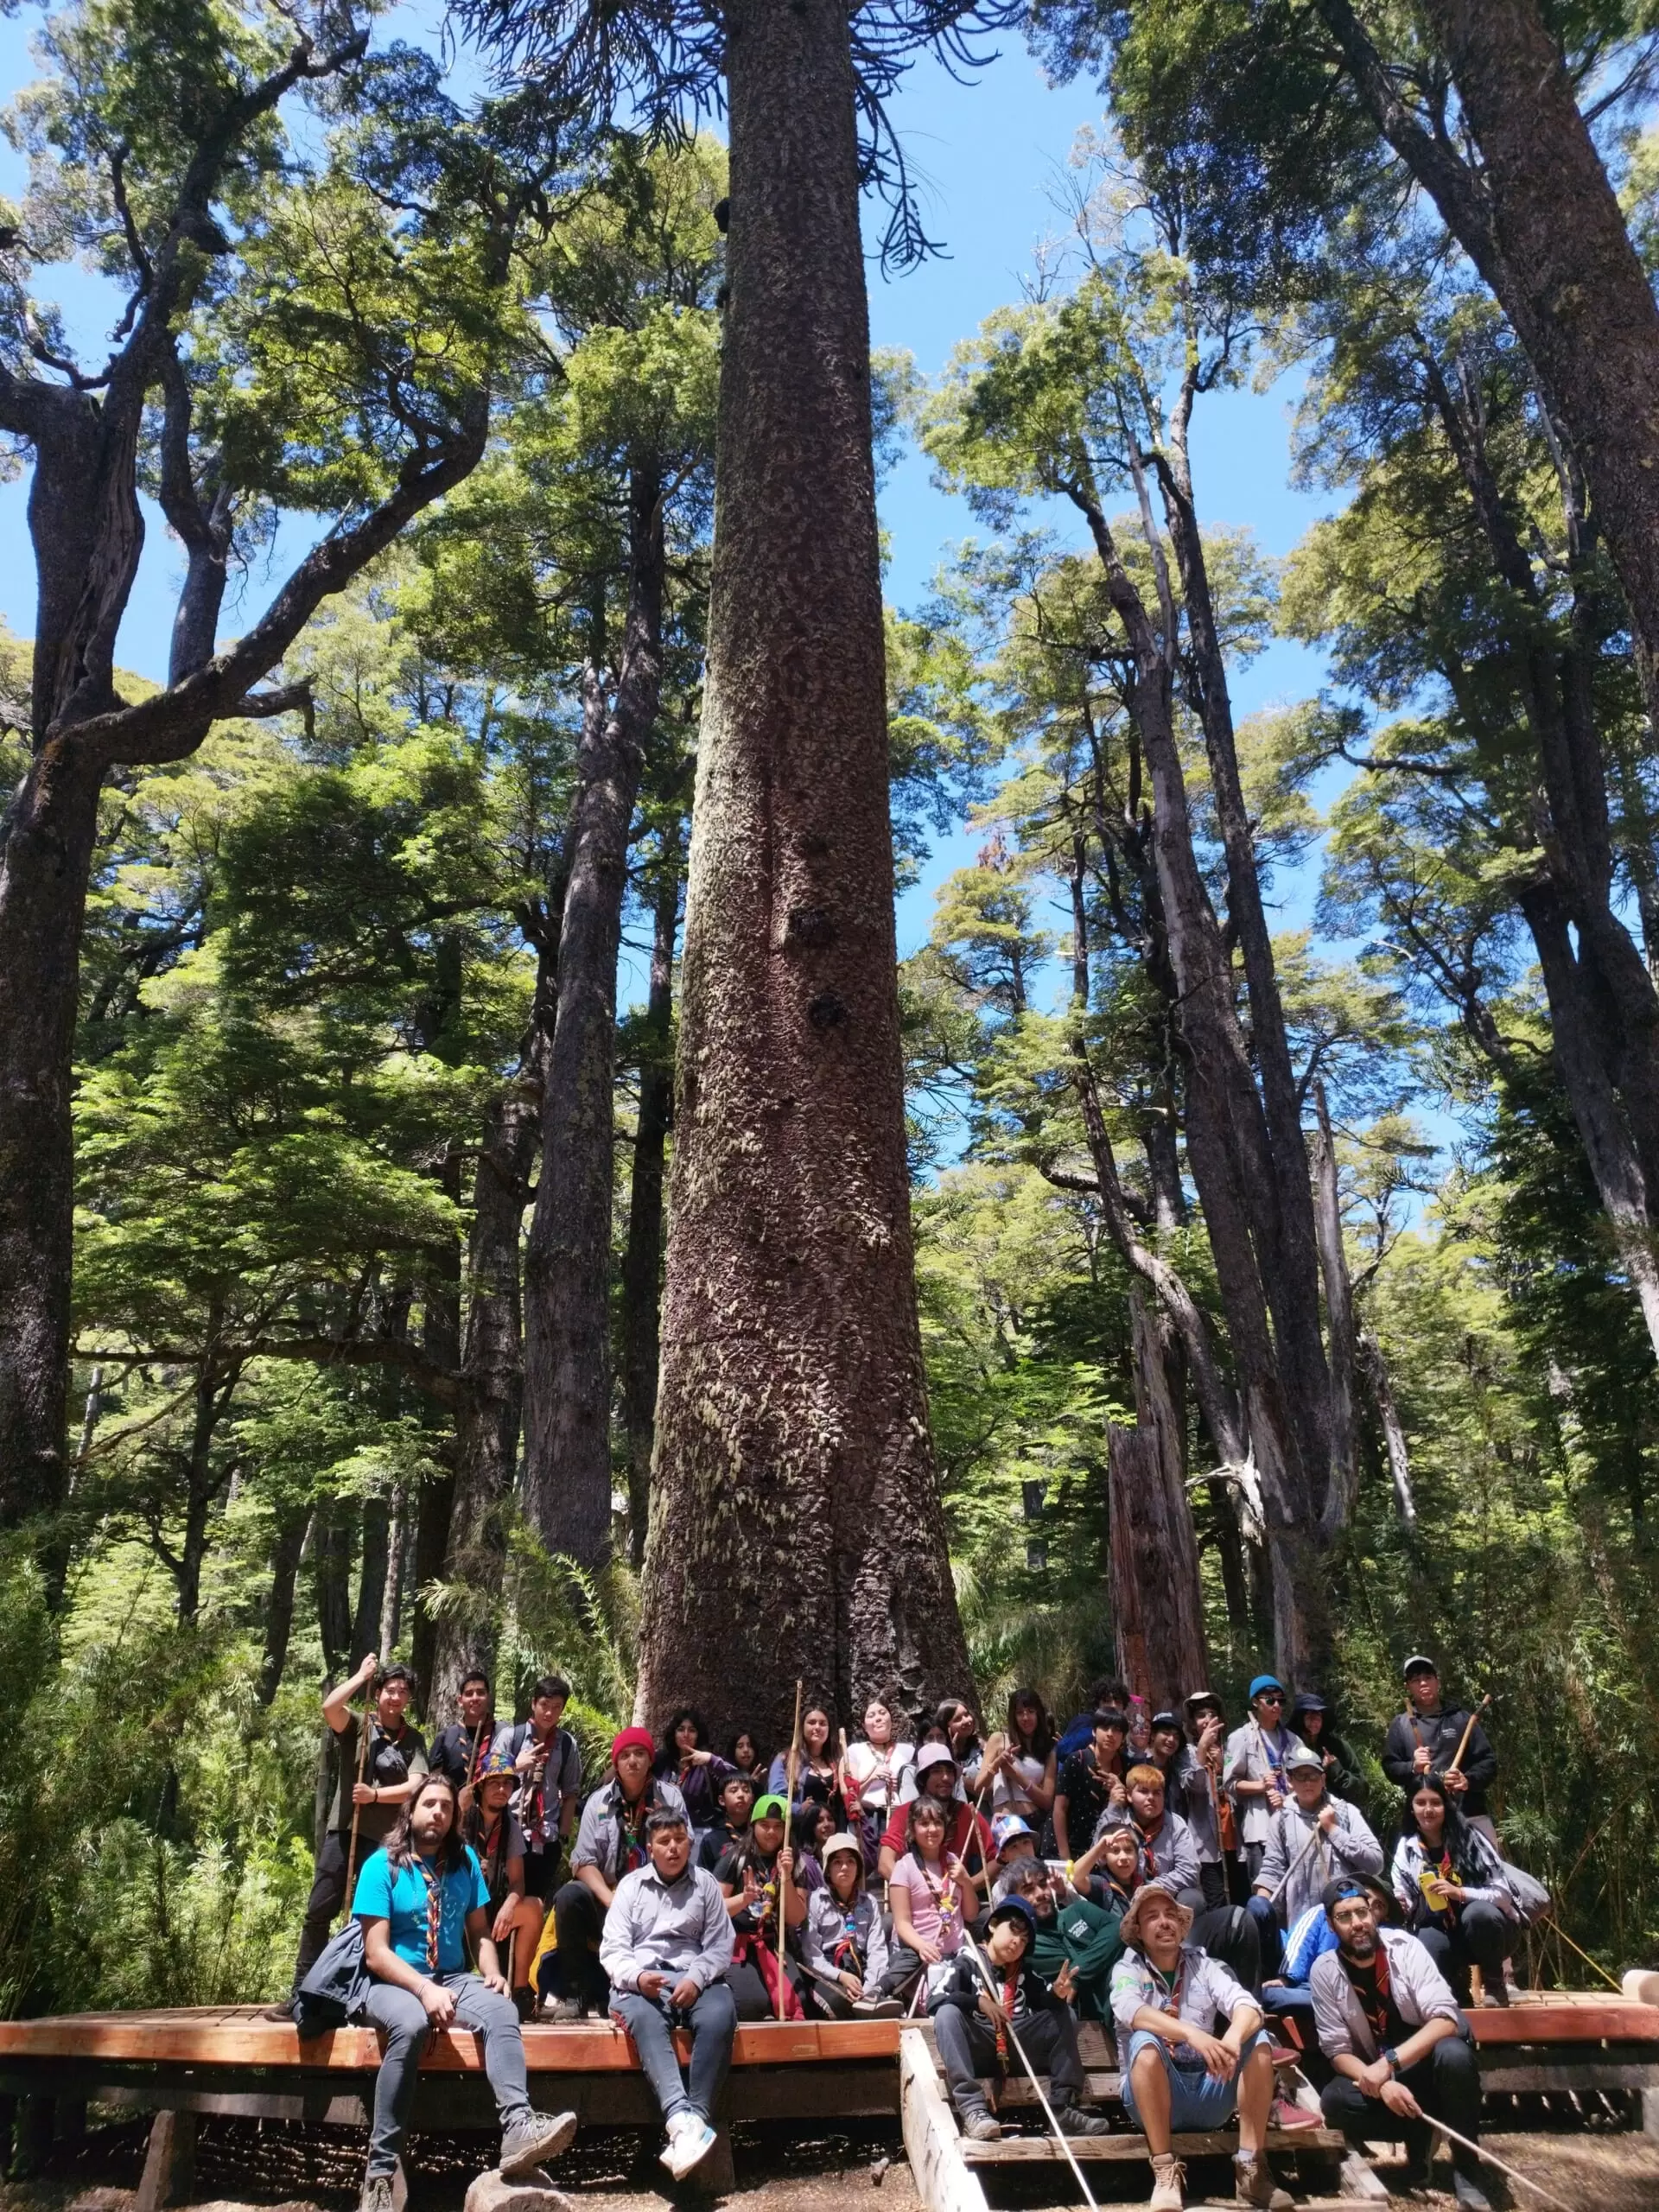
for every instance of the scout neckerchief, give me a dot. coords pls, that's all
(1360, 1981)
(537, 1824)
(630, 1833)
(495, 1850)
(1274, 1760)
(1166, 1995)
(1147, 1851)
(480, 1754)
(886, 1772)
(848, 1954)
(1010, 1997)
(943, 1894)
(434, 1913)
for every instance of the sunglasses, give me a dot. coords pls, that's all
(1270, 1697)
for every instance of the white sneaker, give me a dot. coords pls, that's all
(690, 2146)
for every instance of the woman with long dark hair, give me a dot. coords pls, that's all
(1453, 1891)
(817, 1775)
(1024, 1760)
(686, 1760)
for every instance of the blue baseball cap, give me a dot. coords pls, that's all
(1013, 1905)
(1265, 1682)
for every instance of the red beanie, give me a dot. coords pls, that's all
(627, 1740)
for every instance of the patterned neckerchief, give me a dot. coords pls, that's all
(1373, 1987)
(434, 1913)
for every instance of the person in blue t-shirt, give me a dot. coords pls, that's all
(421, 1900)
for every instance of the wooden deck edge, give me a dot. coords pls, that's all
(932, 2143)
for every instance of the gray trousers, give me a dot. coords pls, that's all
(405, 2031)
(712, 2023)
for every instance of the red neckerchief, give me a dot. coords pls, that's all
(1379, 2018)
(1010, 1990)
(1146, 1851)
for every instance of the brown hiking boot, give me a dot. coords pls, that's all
(1168, 2175)
(1254, 2184)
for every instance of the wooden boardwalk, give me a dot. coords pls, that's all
(233, 2061)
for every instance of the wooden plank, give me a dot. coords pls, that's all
(247, 2039)
(1363, 2180)
(1029, 2150)
(932, 2143)
(1525, 2079)
(169, 2175)
(1586, 2019)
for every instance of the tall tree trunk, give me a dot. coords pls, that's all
(1339, 1308)
(283, 1561)
(45, 859)
(795, 1475)
(1542, 222)
(1281, 1211)
(391, 1601)
(1374, 1372)
(332, 1565)
(642, 1262)
(441, 1342)
(567, 1268)
(371, 1568)
(492, 1397)
(1157, 1599)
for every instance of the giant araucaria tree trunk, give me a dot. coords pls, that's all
(796, 1509)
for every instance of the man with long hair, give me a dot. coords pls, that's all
(421, 1900)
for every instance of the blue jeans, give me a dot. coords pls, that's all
(712, 2023)
(1197, 2102)
(406, 2030)
(1272, 1934)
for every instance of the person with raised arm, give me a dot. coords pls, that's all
(372, 1801)
(665, 1952)
(1253, 1772)
(982, 2003)
(1391, 2028)
(1179, 2076)
(1090, 1780)
(1207, 1806)
(421, 1898)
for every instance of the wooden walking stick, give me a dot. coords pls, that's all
(791, 1767)
(362, 1760)
(1510, 2173)
(1307, 1845)
(985, 1974)
(1463, 1744)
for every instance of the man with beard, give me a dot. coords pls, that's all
(1391, 2028)
(419, 1900)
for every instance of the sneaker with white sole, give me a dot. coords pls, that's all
(539, 2135)
(687, 2144)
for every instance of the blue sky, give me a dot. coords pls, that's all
(986, 154)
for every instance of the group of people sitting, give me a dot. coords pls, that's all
(1189, 1888)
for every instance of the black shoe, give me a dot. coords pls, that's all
(1073, 2119)
(283, 2010)
(1419, 2172)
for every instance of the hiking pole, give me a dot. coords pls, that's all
(1308, 1845)
(792, 1765)
(977, 1957)
(1463, 1744)
(1508, 2173)
(357, 1810)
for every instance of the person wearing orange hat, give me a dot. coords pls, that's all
(610, 1843)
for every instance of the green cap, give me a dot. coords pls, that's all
(769, 1808)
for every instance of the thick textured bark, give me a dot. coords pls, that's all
(567, 1266)
(795, 1479)
(1542, 225)
(47, 859)
(491, 1395)
(642, 1262)
(1157, 1601)
(286, 1545)
(373, 1555)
